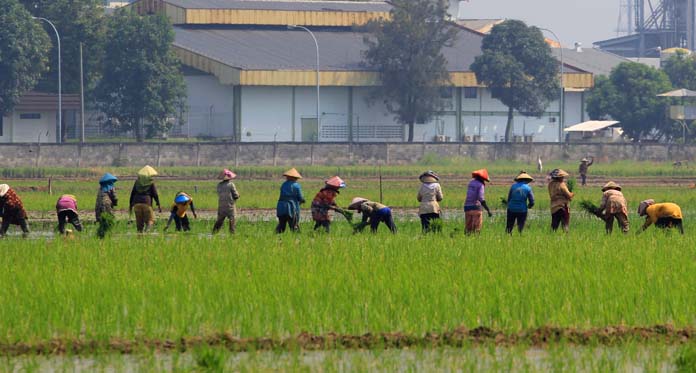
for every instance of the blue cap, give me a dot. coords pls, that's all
(181, 198)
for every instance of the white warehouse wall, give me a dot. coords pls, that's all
(31, 130)
(276, 113)
(210, 107)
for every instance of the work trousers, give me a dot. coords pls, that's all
(512, 217)
(285, 220)
(561, 217)
(68, 216)
(670, 223)
(427, 219)
(182, 224)
(322, 223)
(620, 217)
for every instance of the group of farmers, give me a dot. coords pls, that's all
(519, 200)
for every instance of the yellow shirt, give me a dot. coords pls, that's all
(661, 210)
(559, 194)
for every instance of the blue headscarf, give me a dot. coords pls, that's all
(107, 182)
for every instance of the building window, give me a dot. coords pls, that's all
(470, 92)
(30, 116)
(446, 92)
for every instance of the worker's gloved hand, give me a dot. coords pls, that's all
(490, 214)
(530, 205)
(195, 216)
(159, 208)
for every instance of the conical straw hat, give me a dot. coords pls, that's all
(4, 188)
(523, 176)
(292, 173)
(356, 202)
(429, 177)
(557, 173)
(147, 171)
(611, 185)
(335, 182)
(482, 173)
(227, 175)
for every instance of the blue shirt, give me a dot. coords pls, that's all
(519, 193)
(290, 199)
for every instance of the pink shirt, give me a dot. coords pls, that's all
(66, 203)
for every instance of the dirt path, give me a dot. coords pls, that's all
(539, 337)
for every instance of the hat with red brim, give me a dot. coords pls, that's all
(481, 174)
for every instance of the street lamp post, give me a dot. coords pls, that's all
(60, 81)
(316, 44)
(561, 99)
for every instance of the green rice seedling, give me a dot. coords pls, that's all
(686, 358)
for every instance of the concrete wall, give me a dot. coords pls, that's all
(236, 154)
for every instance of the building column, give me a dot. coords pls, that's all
(237, 112)
(293, 113)
(460, 132)
(350, 114)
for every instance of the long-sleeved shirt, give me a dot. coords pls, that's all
(475, 194)
(146, 197)
(106, 201)
(661, 210)
(559, 194)
(12, 207)
(66, 202)
(429, 196)
(613, 202)
(227, 195)
(582, 169)
(290, 199)
(322, 204)
(518, 196)
(179, 209)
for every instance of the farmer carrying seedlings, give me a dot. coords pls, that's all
(66, 207)
(12, 211)
(373, 213)
(520, 199)
(475, 201)
(582, 169)
(182, 202)
(227, 201)
(614, 206)
(288, 207)
(325, 201)
(106, 196)
(429, 196)
(560, 199)
(142, 195)
(663, 215)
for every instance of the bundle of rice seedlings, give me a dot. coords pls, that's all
(346, 214)
(503, 202)
(571, 184)
(591, 209)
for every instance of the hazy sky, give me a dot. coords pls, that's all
(585, 21)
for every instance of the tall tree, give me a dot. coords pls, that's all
(406, 50)
(630, 96)
(77, 21)
(681, 69)
(517, 65)
(24, 48)
(142, 86)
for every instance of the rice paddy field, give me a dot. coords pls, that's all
(311, 301)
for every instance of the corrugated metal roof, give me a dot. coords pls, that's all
(481, 25)
(289, 5)
(592, 60)
(280, 49)
(47, 101)
(591, 126)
